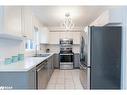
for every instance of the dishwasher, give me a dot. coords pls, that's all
(42, 75)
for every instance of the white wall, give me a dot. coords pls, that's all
(10, 48)
(1, 18)
(124, 46)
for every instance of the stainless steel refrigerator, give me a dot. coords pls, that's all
(100, 57)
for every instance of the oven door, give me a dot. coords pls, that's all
(66, 57)
(66, 61)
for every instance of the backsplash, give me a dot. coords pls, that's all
(56, 48)
(76, 48)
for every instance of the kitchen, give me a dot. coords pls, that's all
(42, 46)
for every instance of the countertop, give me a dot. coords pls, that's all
(27, 64)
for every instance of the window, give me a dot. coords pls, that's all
(33, 44)
(29, 45)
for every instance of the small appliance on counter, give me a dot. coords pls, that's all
(47, 50)
(66, 55)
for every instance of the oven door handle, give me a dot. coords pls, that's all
(66, 54)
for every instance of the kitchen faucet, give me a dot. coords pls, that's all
(36, 50)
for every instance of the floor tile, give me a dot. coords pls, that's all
(59, 86)
(65, 79)
(69, 87)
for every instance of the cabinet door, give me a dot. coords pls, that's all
(42, 77)
(68, 35)
(50, 37)
(54, 37)
(18, 80)
(56, 61)
(43, 35)
(31, 78)
(76, 37)
(50, 67)
(27, 23)
(62, 35)
(76, 60)
(52, 60)
(12, 20)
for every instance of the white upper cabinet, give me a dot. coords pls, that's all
(43, 35)
(76, 37)
(43, 32)
(111, 16)
(55, 36)
(71, 35)
(27, 23)
(16, 21)
(10, 21)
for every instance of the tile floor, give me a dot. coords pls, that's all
(65, 79)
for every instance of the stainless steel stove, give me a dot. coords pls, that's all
(66, 54)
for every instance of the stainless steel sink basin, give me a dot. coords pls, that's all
(41, 55)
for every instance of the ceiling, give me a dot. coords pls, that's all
(53, 16)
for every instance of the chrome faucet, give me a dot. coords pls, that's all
(36, 50)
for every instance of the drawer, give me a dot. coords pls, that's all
(66, 66)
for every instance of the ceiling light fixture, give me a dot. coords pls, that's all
(68, 24)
